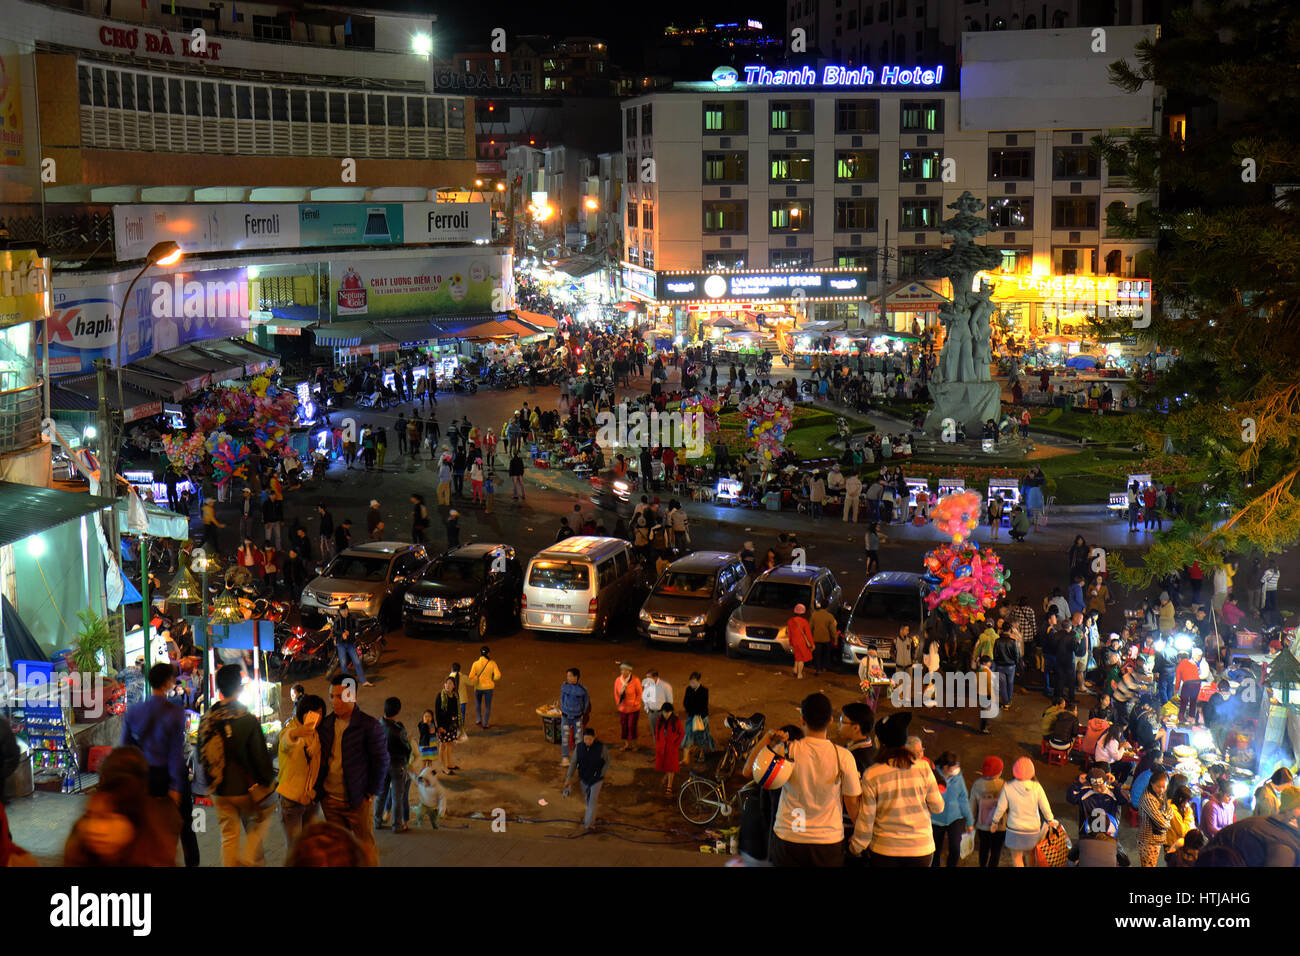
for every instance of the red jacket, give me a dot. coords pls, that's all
(801, 641)
(258, 566)
(668, 744)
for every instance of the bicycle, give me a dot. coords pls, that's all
(702, 799)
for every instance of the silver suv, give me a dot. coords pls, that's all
(758, 625)
(369, 579)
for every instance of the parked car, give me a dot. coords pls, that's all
(692, 600)
(758, 625)
(580, 585)
(369, 579)
(887, 601)
(471, 589)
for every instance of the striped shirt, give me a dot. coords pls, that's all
(894, 815)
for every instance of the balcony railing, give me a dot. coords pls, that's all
(20, 418)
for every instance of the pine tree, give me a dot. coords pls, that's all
(1226, 272)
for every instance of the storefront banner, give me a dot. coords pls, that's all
(423, 287)
(160, 315)
(639, 281)
(809, 285)
(24, 287)
(12, 148)
(1068, 288)
(226, 227)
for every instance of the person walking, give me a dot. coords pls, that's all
(344, 632)
(873, 539)
(590, 762)
(668, 736)
(1155, 817)
(655, 693)
(852, 498)
(825, 634)
(446, 722)
(157, 727)
(354, 763)
(299, 761)
(575, 712)
(395, 785)
(984, 793)
(627, 698)
(211, 539)
(899, 793)
(325, 532)
(516, 471)
(452, 526)
(237, 769)
(444, 481)
(996, 506)
(696, 703)
(483, 675)
(1024, 805)
(374, 521)
(476, 481)
(419, 518)
(489, 491)
(799, 633)
(246, 513)
(955, 819)
(459, 462)
(464, 691)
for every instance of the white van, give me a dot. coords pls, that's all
(578, 585)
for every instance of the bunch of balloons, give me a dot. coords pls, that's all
(965, 582)
(706, 407)
(259, 406)
(228, 457)
(957, 515)
(768, 416)
(184, 451)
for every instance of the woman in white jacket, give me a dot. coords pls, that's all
(1024, 804)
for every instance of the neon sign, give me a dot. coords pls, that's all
(840, 76)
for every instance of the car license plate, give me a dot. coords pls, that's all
(753, 646)
(430, 612)
(556, 619)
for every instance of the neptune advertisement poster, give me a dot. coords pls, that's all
(164, 312)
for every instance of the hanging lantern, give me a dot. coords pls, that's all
(226, 610)
(184, 590)
(205, 563)
(1284, 678)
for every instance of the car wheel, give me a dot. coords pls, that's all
(481, 626)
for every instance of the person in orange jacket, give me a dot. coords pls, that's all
(627, 696)
(799, 631)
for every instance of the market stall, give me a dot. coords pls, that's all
(1119, 499)
(1008, 489)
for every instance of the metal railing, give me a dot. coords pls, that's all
(20, 418)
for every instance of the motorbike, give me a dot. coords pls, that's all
(745, 732)
(299, 652)
(370, 645)
(464, 383)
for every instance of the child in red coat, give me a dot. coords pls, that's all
(668, 745)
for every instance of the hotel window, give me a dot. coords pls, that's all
(269, 28)
(857, 116)
(725, 117)
(648, 257)
(855, 215)
(920, 165)
(921, 116)
(1074, 213)
(791, 116)
(1011, 213)
(1011, 164)
(790, 259)
(632, 214)
(647, 119)
(648, 216)
(914, 214)
(1018, 260)
(725, 216)
(630, 117)
(909, 262)
(791, 167)
(634, 255)
(714, 261)
(788, 215)
(1074, 162)
(724, 168)
(857, 166)
(856, 258)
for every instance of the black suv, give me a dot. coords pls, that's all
(466, 589)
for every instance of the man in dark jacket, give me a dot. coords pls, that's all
(343, 536)
(326, 532)
(1006, 658)
(590, 761)
(399, 754)
(575, 707)
(157, 727)
(353, 766)
(246, 770)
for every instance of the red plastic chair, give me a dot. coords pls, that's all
(1054, 755)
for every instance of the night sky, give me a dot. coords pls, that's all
(461, 24)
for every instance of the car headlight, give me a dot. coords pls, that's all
(409, 598)
(697, 620)
(644, 616)
(464, 602)
(736, 627)
(854, 640)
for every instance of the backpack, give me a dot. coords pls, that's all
(212, 751)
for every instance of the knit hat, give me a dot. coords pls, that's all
(1289, 799)
(892, 731)
(1023, 769)
(799, 609)
(992, 767)
(1164, 596)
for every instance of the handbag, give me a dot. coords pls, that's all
(1053, 847)
(967, 844)
(697, 724)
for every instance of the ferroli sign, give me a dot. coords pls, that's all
(810, 284)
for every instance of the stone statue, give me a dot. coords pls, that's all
(963, 390)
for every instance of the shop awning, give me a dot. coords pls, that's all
(220, 367)
(820, 327)
(143, 392)
(162, 523)
(416, 332)
(536, 319)
(194, 377)
(350, 334)
(253, 358)
(497, 329)
(26, 510)
(580, 267)
(66, 400)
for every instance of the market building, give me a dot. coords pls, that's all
(809, 194)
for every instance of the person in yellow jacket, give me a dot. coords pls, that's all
(484, 676)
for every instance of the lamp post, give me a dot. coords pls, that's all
(164, 253)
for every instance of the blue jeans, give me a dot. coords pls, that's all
(1006, 680)
(570, 734)
(349, 652)
(483, 706)
(464, 709)
(1166, 688)
(398, 798)
(590, 791)
(1049, 671)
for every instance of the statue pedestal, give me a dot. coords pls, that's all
(968, 403)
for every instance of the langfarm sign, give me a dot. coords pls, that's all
(792, 284)
(228, 227)
(842, 77)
